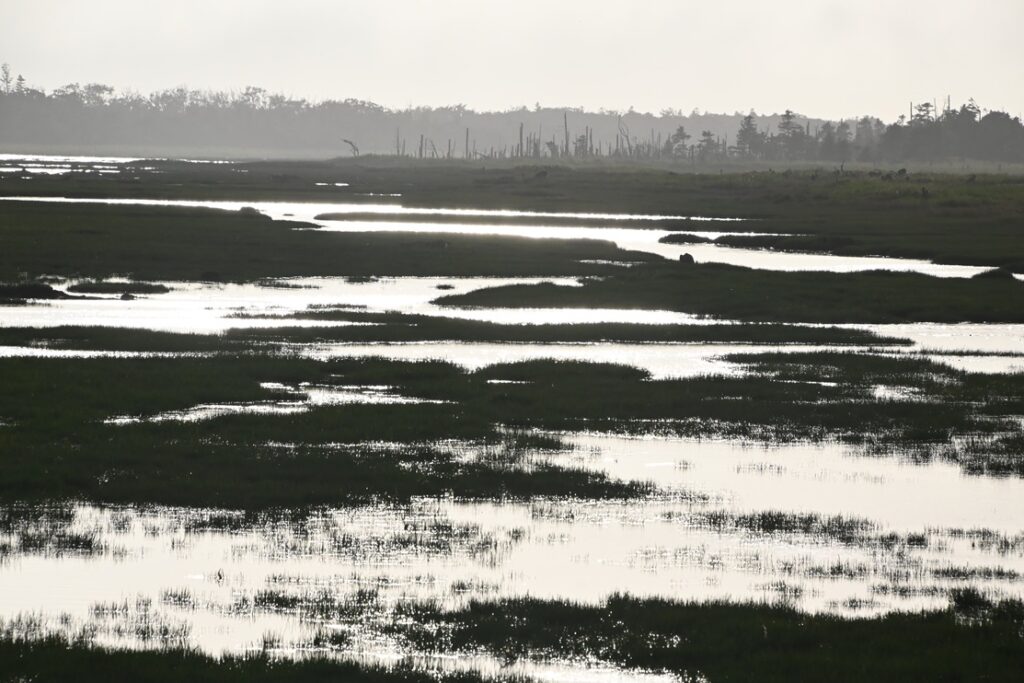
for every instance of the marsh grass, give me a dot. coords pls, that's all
(99, 338)
(139, 621)
(45, 530)
(105, 287)
(397, 327)
(325, 455)
(206, 245)
(684, 238)
(21, 293)
(333, 454)
(745, 294)
(729, 641)
(973, 220)
(53, 659)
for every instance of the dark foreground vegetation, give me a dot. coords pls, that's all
(470, 437)
(55, 660)
(57, 442)
(973, 639)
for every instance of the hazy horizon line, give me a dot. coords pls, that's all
(665, 112)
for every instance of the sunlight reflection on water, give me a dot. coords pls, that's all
(901, 536)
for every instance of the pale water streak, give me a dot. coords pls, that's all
(211, 308)
(216, 308)
(302, 398)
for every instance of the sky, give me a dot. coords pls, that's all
(818, 57)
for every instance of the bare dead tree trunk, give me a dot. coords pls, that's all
(565, 122)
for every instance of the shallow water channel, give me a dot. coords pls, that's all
(205, 308)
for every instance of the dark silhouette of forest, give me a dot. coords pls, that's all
(254, 122)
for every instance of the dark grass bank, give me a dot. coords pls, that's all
(973, 639)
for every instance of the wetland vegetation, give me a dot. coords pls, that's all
(972, 639)
(173, 243)
(54, 659)
(108, 413)
(957, 219)
(263, 428)
(736, 293)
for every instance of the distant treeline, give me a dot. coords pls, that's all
(255, 122)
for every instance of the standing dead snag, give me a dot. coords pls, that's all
(565, 122)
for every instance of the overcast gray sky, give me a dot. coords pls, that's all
(819, 57)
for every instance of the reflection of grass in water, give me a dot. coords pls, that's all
(995, 454)
(519, 449)
(137, 621)
(317, 606)
(45, 530)
(54, 658)
(849, 530)
(973, 639)
(960, 573)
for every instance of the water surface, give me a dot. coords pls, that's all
(852, 534)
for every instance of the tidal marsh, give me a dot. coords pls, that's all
(825, 500)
